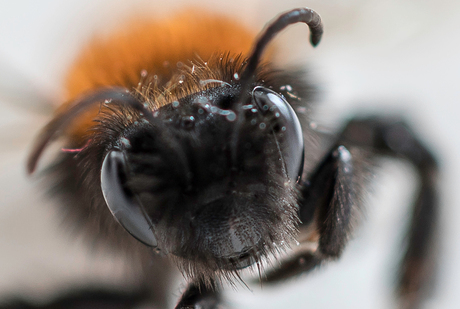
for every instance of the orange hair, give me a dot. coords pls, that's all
(154, 46)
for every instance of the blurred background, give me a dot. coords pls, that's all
(380, 57)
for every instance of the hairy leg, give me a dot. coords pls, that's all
(330, 195)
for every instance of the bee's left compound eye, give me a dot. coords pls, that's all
(122, 203)
(287, 125)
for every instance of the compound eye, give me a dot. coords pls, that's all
(121, 202)
(289, 127)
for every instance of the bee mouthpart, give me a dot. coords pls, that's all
(240, 260)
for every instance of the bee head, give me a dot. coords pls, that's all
(208, 177)
(210, 180)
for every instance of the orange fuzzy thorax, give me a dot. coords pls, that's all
(153, 46)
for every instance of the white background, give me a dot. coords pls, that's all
(396, 56)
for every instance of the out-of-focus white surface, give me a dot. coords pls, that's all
(376, 56)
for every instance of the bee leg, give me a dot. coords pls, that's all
(328, 199)
(200, 296)
(83, 299)
(330, 193)
(393, 137)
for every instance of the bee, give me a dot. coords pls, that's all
(186, 147)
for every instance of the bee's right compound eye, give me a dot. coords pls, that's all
(122, 203)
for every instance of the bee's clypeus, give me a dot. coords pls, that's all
(204, 162)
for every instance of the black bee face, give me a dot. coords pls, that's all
(210, 180)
